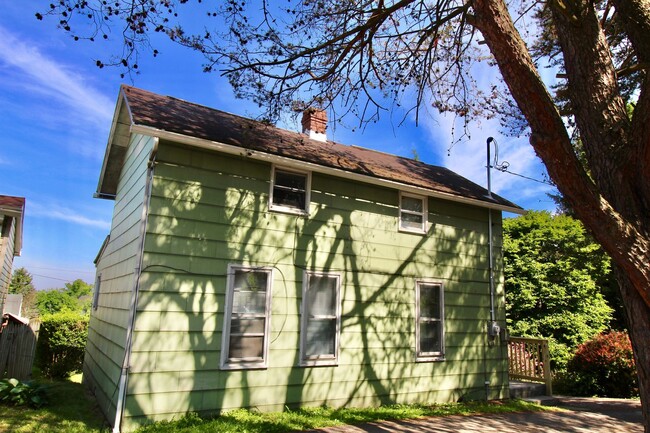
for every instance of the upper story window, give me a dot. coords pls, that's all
(246, 318)
(290, 191)
(320, 319)
(412, 213)
(429, 326)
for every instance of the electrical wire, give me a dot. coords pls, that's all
(546, 182)
(504, 166)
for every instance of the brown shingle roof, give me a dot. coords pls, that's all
(173, 115)
(11, 202)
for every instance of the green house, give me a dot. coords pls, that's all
(251, 266)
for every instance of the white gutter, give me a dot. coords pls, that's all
(302, 165)
(126, 364)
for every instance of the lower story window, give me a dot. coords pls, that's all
(246, 318)
(429, 330)
(320, 320)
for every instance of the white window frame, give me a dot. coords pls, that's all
(98, 283)
(290, 209)
(419, 354)
(425, 212)
(228, 363)
(319, 360)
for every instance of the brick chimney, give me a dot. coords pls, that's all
(314, 123)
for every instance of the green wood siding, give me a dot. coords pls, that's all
(108, 323)
(208, 210)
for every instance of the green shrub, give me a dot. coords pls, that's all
(604, 366)
(17, 393)
(61, 343)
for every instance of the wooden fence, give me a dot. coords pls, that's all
(528, 359)
(17, 348)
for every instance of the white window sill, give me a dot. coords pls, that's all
(413, 231)
(319, 363)
(433, 358)
(288, 210)
(245, 366)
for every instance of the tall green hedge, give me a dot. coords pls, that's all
(61, 343)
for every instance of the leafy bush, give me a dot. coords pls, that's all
(17, 393)
(604, 366)
(61, 343)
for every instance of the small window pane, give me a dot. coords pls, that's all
(430, 337)
(246, 347)
(288, 198)
(322, 296)
(411, 221)
(250, 281)
(412, 204)
(430, 301)
(290, 180)
(249, 302)
(247, 326)
(320, 337)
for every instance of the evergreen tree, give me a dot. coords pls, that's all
(21, 284)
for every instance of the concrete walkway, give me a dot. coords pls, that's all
(585, 415)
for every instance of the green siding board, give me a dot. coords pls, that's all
(147, 341)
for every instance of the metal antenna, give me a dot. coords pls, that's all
(489, 177)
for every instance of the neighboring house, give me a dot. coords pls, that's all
(12, 213)
(250, 266)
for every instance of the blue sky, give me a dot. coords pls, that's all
(56, 108)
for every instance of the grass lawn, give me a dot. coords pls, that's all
(71, 411)
(244, 421)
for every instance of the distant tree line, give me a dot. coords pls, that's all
(73, 297)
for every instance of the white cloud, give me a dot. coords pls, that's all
(74, 216)
(468, 157)
(40, 74)
(70, 216)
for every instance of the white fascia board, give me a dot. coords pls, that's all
(303, 165)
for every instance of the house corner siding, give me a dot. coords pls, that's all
(7, 241)
(210, 210)
(105, 349)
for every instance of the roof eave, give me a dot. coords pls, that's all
(299, 164)
(19, 215)
(118, 140)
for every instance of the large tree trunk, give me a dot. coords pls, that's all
(637, 317)
(612, 199)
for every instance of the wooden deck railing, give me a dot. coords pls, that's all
(528, 359)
